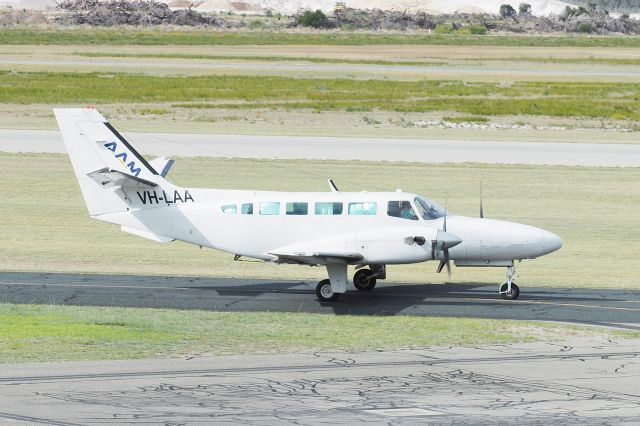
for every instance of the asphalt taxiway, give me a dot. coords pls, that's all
(592, 382)
(603, 307)
(335, 148)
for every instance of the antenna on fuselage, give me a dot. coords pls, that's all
(481, 209)
(333, 186)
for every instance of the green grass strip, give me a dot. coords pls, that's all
(254, 58)
(162, 36)
(596, 100)
(31, 333)
(549, 60)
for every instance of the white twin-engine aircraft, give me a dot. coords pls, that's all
(336, 229)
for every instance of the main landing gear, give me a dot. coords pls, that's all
(510, 290)
(363, 280)
(325, 292)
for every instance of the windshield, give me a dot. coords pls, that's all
(428, 209)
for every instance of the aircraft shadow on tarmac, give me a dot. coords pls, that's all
(474, 300)
(479, 300)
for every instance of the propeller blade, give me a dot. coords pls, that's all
(449, 269)
(445, 262)
(481, 209)
(445, 240)
(444, 226)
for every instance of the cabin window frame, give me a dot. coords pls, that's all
(249, 211)
(296, 208)
(328, 205)
(229, 208)
(266, 211)
(372, 210)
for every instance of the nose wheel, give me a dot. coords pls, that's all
(509, 293)
(509, 290)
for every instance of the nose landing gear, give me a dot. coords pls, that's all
(509, 290)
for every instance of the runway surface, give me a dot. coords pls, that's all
(332, 148)
(568, 383)
(612, 308)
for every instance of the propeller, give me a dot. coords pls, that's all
(444, 241)
(444, 262)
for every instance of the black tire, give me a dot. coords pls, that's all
(324, 291)
(363, 280)
(513, 295)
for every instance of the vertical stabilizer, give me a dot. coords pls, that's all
(95, 147)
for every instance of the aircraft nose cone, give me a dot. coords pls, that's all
(551, 242)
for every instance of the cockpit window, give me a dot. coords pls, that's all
(428, 209)
(401, 209)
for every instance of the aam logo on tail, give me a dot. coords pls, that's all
(122, 156)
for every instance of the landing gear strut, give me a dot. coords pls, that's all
(510, 290)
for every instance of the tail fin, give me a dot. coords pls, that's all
(104, 162)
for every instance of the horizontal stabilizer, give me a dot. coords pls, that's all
(108, 178)
(146, 234)
(163, 164)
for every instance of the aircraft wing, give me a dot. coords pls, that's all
(108, 178)
(318, 258)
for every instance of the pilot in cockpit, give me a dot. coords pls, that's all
(407, 211)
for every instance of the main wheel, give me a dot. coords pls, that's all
(509, 295)
(364, 280)
(325, 292)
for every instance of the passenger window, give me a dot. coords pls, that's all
(297, 208)
(401, 209)
(328, 208)
(246, 208)
(269, 208)
(362, 208)
(229, 209)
